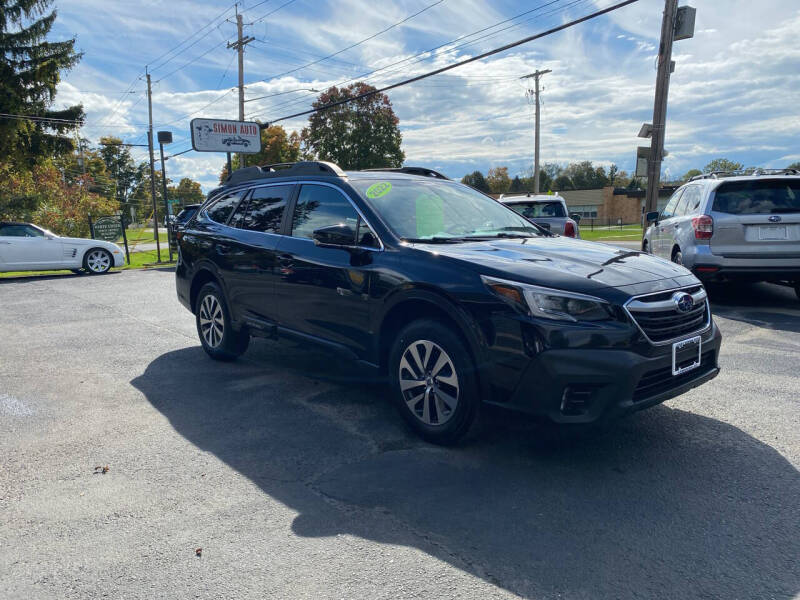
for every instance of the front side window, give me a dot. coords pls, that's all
(758, 197)
(221, 210)
(321, 206)
(434, 210)
(669, 209)
(20, 231)
(265, 208)
(534, 210)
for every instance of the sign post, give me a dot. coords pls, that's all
(220, 135)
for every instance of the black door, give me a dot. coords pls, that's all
(325, 292)
(251, 260)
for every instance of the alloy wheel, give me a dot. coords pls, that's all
(428, 382)
(212, 322)
(98, 261)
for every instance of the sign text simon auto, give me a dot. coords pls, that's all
(219, 135)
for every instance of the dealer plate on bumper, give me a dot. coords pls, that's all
(686, 355)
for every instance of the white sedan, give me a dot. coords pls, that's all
(26, 247)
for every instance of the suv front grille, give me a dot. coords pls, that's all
(660, 320)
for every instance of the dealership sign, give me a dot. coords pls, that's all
(218, 135)
(108, 229)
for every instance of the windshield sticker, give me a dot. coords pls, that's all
(429, 215)
(377, 190)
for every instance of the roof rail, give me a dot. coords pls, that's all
(424, 171)
(309, 167)
(746, 173)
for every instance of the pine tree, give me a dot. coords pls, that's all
(30, 69)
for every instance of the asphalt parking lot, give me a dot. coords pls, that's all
(297, 480)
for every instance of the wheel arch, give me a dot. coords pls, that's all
(416, 304)
(203, 276)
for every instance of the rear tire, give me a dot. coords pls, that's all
(434, 382)
(677, 256)
(214, 327)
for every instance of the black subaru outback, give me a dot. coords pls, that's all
(456, 298)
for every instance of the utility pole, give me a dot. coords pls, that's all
(152, 164)
(535, 93)
(239, 44)
(665, 67)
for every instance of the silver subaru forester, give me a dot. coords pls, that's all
(729, 226)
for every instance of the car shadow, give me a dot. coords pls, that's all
(50, 276)
(666, 504)
(766, 305)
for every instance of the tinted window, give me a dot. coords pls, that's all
(758, 197)
(365, 236)
(20, 231)
(532, 210)
(694, 195)
(688, 195)
(265, 208)
(186, 214)
(321, 206)
(222, 208)
(669, 209)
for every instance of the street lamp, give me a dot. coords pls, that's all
(165, 137)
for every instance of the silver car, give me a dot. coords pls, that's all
(732, 227)
(545, 210)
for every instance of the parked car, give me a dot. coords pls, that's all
(732, 227)
(175, 222)
(458, 299)
(549, 211)
(26, 247)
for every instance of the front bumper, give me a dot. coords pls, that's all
(580, 385)
(119, 258)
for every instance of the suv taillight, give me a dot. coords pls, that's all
(569, 229)
(703, 227)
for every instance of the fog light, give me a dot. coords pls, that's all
(576, 400)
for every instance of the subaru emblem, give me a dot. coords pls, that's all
(775, 218)
(683, 302)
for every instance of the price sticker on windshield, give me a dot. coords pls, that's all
(378, 190)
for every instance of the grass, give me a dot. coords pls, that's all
(630, 233)
(139, 260)
(144, 236)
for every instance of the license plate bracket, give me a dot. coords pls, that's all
(686, 354)
(772, 232)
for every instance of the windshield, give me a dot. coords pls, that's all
(440, 211)
(536, 210)
(758, 197)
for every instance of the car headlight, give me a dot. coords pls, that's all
(548, 303)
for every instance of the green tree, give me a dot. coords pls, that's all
(186, 192)
(563, 182)
(516, 185)
(722, 164)
(120, 166)
(30, 69)
(276, 147)
(477, 181)
(795, 165)
(612, 174)
(585, 176)
(691, 173)
(498, 180)
(360, 134)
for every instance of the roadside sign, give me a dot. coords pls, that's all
(219, 135)
(108, 229)
(642, 158)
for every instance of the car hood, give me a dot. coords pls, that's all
(567, 263)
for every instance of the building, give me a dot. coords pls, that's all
(610, 205)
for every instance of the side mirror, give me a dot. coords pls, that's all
(335, 236)
(575, 217)
(651, 217)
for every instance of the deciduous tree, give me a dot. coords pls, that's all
(360, 134)
(722, 164)
(477, 181)
(498, 180)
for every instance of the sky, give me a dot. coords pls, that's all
(734, 92)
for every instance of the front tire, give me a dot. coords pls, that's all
(434, 382)
(677, 256)
(214, 327)
(98, 261)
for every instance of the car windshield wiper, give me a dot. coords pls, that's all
(499, 234)
(434, 240)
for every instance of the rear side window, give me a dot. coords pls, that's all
(222, 208)
(669, 209)
(758, 197)
(265, 208)
(688, 202)
(533, 210)
(321, 206)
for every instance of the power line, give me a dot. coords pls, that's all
(262, 17)
(194, 60)
(524, 40)
(351, 46)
